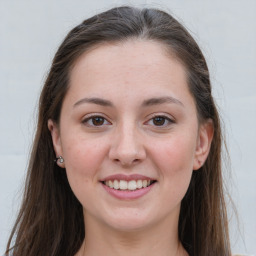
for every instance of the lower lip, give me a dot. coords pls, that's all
(128, 194)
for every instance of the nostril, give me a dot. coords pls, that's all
(127, 162)
(126, 153)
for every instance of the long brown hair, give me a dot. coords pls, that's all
(50, 221)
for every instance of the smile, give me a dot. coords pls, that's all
(128, 185)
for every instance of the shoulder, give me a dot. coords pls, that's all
(242, 255)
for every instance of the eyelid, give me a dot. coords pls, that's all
(88, 117)
(170, 119)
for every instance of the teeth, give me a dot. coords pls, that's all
(116, 184)
(110, 184)
(132, 185)
(139, 183)
(123, 184)
(127, 185)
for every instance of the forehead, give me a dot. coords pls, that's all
(137, 65)
(131, 55)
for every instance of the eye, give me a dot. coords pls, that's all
(95, 121)
(161, 121)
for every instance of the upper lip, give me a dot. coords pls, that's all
(127, 177)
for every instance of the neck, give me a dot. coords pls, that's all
(156, 240)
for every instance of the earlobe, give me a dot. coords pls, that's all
(56, 141)
(204, 141)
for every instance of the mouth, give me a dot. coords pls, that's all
(131, 185)
(128, 187)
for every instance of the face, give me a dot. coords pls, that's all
(129, 135)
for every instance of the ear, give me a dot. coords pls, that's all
(204, 141)
(56, 141)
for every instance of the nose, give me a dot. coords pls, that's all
(127, 146)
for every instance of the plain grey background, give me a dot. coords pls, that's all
(30, 32)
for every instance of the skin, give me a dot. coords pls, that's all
(129, 140)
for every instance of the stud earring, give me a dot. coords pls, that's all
(60, 159)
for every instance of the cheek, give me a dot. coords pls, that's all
(83, 158)
(176, 154)
(174, 160)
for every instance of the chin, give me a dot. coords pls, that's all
(129, 226)
(129, 220)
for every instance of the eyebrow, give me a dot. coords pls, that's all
(146, 103)
(97, 101)
(161, 100)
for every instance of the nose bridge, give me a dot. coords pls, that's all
(126, 146)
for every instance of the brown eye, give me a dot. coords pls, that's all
(98, 120)
(94, 121)
(159, 120)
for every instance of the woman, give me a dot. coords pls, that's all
(127, 155)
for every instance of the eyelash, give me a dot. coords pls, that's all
(167, 121)
(89, 121)
(91, 118)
